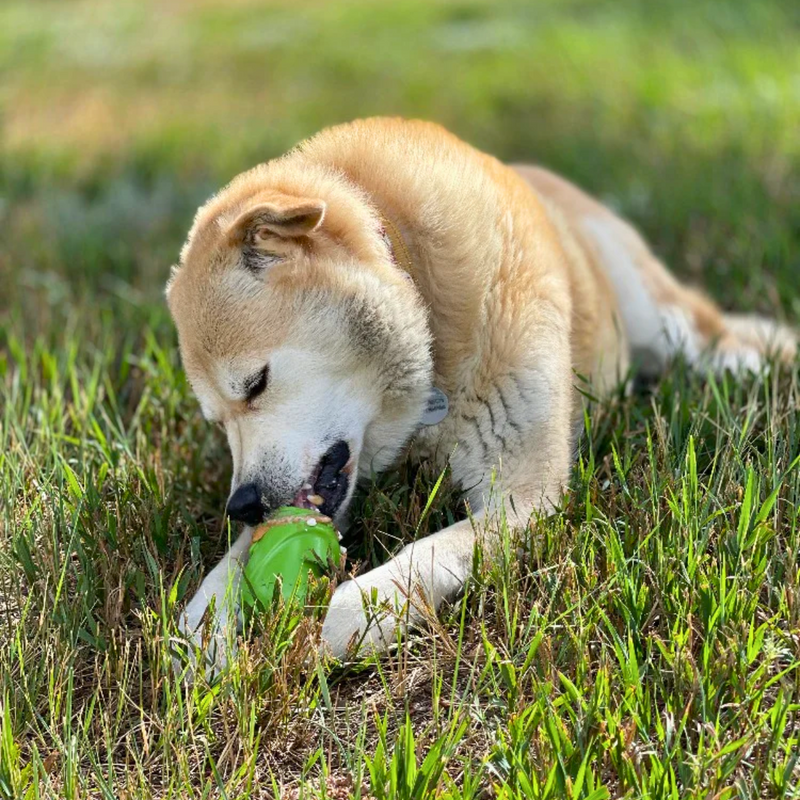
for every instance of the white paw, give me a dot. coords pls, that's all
(364, 615)
(367, 613)
(208, 643)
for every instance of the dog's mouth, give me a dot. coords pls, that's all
(327, 487)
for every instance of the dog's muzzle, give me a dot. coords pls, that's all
(324, 491)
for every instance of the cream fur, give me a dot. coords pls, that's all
(518, 282)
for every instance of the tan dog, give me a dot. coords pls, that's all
(328, 302)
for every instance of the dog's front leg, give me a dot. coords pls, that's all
(211, 633)
(420, 576)
(435, 568)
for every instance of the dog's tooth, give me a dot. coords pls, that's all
(306, 487)
(315, 499)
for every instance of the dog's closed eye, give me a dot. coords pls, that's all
(256, 384)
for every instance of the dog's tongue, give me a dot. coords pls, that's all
(301, 498)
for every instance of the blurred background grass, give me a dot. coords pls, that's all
(119, 118)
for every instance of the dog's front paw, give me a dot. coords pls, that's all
(364, 616)
(207, 642)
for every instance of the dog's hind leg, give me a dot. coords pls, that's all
(764, 335)
(662, 317)
(665, 318)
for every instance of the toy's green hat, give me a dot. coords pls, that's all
(292, 543)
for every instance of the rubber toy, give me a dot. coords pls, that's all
(290, 544)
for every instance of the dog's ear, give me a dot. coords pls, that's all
(291, 218)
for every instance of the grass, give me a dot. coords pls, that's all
(643, 642)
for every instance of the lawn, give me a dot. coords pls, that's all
(643, 642)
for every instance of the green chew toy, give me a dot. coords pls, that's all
(292, 543)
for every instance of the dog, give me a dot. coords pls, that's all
(386, 285)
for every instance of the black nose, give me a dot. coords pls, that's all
(244, 505)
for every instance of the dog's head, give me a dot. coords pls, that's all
(300, 337)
